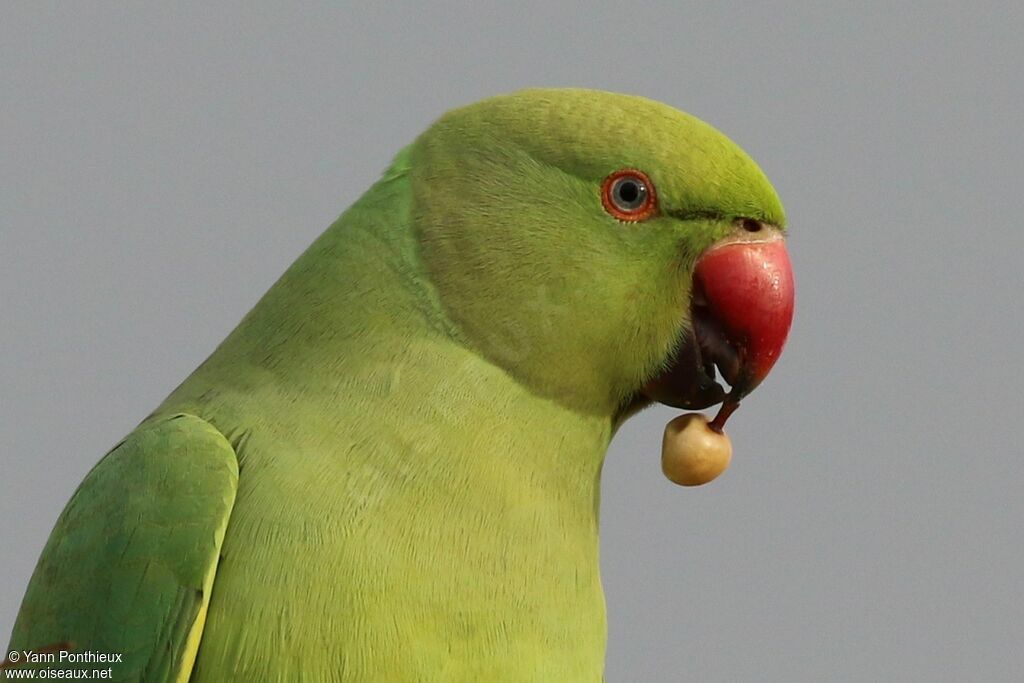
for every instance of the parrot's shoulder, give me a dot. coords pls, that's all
(130, 564)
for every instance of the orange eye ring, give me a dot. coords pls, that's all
(628, 195)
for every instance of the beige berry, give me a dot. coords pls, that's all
(691, 452)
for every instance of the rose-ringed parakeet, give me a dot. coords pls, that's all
(389, 471)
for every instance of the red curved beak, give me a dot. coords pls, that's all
(741, 310)
(745, 288)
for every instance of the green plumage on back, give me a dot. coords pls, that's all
(130, 564)
(419, 410)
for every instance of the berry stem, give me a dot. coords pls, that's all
(729, 405)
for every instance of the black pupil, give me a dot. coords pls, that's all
(630, 192)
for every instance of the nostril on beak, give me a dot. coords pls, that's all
(750, 225)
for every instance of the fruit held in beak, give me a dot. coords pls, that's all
(741, 308)
(692, 453)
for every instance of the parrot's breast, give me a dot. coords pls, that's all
(450, 539)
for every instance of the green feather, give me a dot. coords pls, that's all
(129, 566)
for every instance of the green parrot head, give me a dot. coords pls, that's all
(606, 250)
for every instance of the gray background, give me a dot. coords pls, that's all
(162, 166)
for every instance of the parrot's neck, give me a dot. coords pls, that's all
(423, 487)
(355, 323)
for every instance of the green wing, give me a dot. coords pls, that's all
(129, 566)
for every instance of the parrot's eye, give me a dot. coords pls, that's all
(628, 195)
